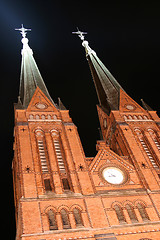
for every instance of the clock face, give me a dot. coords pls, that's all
(113, 175)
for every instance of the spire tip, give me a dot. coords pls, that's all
(23, 31)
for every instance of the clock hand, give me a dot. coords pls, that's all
(111, 175)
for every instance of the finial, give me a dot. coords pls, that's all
(80, 34)
(23, 31)
(84, 42)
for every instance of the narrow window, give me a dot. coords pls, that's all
(143, 212)
(52, 220)
(77, 217)
(65, 219)
(120, 214)
(47, 185)
(131, 213)
(65, 184)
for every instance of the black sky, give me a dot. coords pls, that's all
(125, 36)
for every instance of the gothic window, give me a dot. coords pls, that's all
(61, 161)
(65, 219)
(119, 213)
(143, 212)
(58, 150)
(42, 154)
(52, 220)
(42, 150)
(131, 213)
(77, 217)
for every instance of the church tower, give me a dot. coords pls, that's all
(62, 195)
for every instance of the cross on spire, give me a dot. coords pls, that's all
(80, 34)
(23, 31)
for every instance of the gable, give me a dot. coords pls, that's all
(40, 102)
(127, 104)
(106, 158)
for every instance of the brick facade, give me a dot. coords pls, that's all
(60, 194)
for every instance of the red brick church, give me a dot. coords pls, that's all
(60, 194)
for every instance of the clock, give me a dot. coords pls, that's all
(114, 175)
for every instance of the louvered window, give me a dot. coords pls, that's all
(119, 213)
(146, 147)
(60, 155)
(52, 220)
(143, 212)
(77, 217)
(131, 213)
(42, 156)
(65, 219)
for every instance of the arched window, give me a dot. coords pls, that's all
(143, 212)
(119, 213)
(131, 213)
(65, 219)
(52, 220)
(77, 217)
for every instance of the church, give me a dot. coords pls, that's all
(59, 193)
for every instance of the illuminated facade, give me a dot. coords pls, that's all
(60, 193)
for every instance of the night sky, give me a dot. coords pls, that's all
(125, 36)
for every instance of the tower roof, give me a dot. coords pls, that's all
(108, 89)
(30, 76)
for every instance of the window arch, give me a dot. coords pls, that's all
(52, 220)
(77, 217)
(119, 213)
(65, 219)
(131, 213)
(142, 211)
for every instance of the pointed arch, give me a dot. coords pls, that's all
(65, 218)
